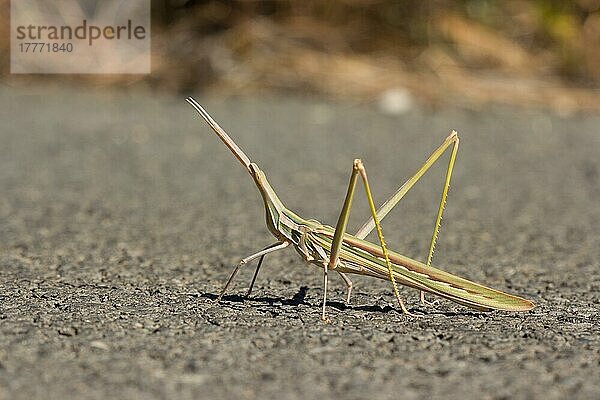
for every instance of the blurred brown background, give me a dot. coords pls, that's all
(473, 53)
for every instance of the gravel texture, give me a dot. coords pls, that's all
(121, 217)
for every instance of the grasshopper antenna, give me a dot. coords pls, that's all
(237, 152)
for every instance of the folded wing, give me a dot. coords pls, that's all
(415, 274)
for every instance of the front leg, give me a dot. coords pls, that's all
(266, 250)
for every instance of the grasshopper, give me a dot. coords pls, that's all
(336, 250)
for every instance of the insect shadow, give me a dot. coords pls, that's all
(300, 299)
(296, 300)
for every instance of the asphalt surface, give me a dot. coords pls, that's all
(121, 217)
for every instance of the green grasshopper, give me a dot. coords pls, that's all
(334, 249)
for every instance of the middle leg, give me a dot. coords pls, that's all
(349, 285)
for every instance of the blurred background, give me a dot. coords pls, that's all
(121, 215)
(471, 53)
